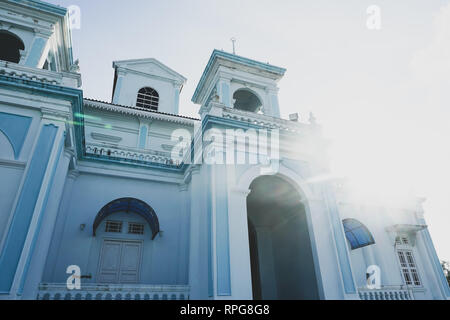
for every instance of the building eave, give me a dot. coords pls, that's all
(140, 112)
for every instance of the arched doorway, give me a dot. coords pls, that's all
(124, 230)
(281, 255)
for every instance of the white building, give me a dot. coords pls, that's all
(136, 201)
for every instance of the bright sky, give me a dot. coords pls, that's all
(382, 96)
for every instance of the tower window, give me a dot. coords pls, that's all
(148, 98)
(10, 46)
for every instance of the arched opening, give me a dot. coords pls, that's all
(148, 98)
(246, 100)
(10, 46)
(123, 229)
(128, 205)
(281, 255)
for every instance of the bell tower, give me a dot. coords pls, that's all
(240, 83)
(35, 34)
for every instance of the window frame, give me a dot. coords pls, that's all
(146, 100)
(109, 222)
(408, 265)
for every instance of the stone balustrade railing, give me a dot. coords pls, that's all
(148, 156)
(113, 292)
(386, 293)
(68, 79)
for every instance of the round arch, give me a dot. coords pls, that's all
(308, 199)
(129, 205)
(11, 45)
(285, 173)
(247, 100)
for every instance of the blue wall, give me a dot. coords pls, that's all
(162, 264)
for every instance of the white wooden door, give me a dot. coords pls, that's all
(130, 262)
(120, 261)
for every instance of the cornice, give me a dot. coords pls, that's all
(140, 112)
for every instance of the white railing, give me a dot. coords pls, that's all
(149, 156)
(386, 293)
(113, 292)
(69, 79)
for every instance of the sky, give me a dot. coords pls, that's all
(382, 96)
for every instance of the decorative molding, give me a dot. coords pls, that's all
(12, 164)
(105, 137)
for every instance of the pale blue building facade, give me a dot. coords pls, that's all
(131, 200)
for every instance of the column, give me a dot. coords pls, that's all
(30, 206)
(340, 242)
(272, 98)
(144, 127)
(176, 109)
(183, 241)
(221, 229)
(36, 53)
(241, 276)
(30, 281)
(223, 90)
(118, 87)
(199, 251)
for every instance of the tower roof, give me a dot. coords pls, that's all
(42, 6)
(221, 58)
(149, 66)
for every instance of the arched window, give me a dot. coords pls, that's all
(10, 46)
(148, 98)
(127, 205)
(246, 100)
(357, 234)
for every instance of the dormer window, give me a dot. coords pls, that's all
(10, 46)
(148, 98)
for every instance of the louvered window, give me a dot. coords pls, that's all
(135, 228)
(113, 226)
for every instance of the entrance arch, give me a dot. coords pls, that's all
(281, 252)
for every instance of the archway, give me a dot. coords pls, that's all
(123, 231)
(246, 100)
(129, 205)
(10, 45)
(281, 255)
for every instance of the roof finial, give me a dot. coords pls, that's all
(233, 40)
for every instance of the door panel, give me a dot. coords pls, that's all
(110, 262)
(131, 258)
(120, 262)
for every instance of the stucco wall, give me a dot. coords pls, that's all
(164, 261)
